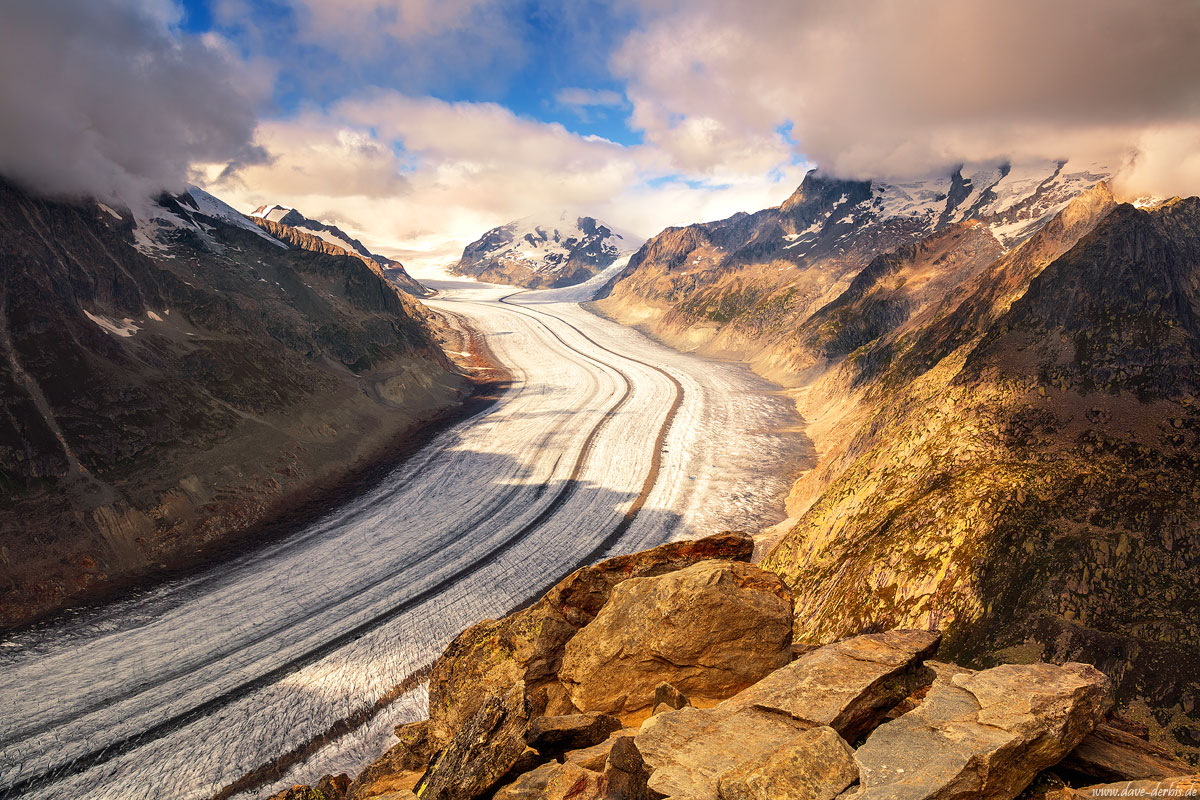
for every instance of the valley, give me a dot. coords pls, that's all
(604, 443)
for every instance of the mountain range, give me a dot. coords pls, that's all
(545, 254)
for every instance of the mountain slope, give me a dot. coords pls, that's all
(535, 255)
(172, 374)
(288, 224)
(1022, 469)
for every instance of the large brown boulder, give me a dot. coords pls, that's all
(983, 735)
(848, 685)
(711, 630)
(491, 656)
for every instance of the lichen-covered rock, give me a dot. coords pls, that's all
(483, 752)
(818, 765)
(528, 645)
(710, 630)
(983, 735)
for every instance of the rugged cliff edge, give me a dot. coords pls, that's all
(672, 673)
(173, 375)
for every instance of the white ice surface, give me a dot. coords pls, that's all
(102, 676)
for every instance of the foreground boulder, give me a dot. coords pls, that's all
(710, 630)
(847, 685)
(491, 656)
(983, 735)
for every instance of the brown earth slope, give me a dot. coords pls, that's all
(166, 387)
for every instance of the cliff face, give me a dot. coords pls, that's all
(169, 380)
(540, 255)
(1022, 470)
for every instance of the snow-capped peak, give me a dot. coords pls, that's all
(538, 251)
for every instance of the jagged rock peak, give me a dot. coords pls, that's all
(1014, 200)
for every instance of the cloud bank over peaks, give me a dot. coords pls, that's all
(106, 98)
(893, 89)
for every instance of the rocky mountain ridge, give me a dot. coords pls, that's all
(737, 287)
(173, 374)
(537, 255)
(672, 673)
(289, 225)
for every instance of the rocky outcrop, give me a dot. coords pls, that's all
(172, 376)
(863, 717)
(983, 735)
(529, 645)
(1024, 475)
(710, 629)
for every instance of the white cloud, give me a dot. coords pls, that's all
(887, 88)
(101, 97)
(420, 177)
(588, 98)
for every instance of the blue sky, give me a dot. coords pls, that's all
(555, 56)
